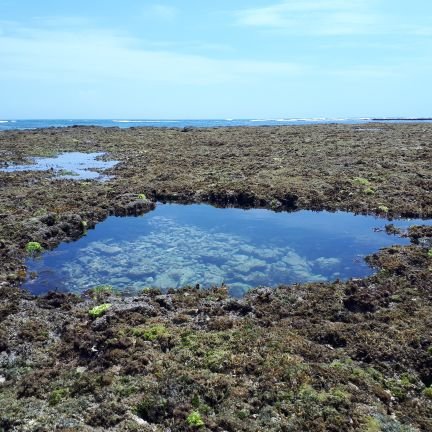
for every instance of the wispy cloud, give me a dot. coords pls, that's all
(80, 54)
(160, 11)
(326, 18)
(76, 66)
(83, 71)
(311, 16)
(90, 55)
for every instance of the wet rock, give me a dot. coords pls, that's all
(72, 225)
(392, 230)
(420, 233)
(49, 219)
(361, 305)
(54, 300)
(100, 324)
(238, 306)
(131, 305)
(289, 200)
(164, 301)
(129, 205)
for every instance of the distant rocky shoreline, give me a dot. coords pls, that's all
(414, 119)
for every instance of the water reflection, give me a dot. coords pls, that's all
(176, 245)
(70, 165)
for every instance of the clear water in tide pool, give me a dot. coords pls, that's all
(70, 165)
(179, 245)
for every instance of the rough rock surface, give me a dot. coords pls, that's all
(341, 356)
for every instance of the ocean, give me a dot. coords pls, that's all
(9, 124)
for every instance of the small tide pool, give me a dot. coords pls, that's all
(179, 245)
(69, 165)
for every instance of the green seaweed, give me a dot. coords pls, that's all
(428, 392)
(100, 310)
(151, 333)
(361, 181)
(194, 419)
(33, 248)
(56, 396)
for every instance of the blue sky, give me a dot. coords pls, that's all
(224, 59)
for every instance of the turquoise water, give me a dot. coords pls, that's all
(178, 245)
(9, 124)
(71, 165)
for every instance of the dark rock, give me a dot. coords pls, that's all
(164, 301)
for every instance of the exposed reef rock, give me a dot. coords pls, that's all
(339, 356)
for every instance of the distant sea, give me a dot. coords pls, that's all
(35, 124)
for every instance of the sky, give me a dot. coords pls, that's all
(220, 59)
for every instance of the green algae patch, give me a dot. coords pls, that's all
(361, 181)
(100, 310)
(58, 395)
(365, 186)
(151, 333)
(195, 420)
(428, 392)
(33, 248)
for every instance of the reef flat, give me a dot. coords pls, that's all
(337, 356)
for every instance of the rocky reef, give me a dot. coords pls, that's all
(322, 356)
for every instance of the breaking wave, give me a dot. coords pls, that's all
(145, 121)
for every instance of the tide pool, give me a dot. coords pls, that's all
(180, 245)
(69, 165)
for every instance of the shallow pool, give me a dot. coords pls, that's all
(70, 165)
(178, 245)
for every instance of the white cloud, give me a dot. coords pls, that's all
(76, 70)
(312, 17)
(94, 56)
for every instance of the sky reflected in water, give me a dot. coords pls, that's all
(70, 165)
(178, 245)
